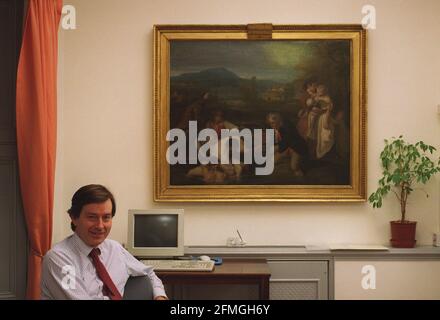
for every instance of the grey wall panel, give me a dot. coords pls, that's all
(298, 289)
(298, 280)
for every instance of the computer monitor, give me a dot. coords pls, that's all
(155, 233)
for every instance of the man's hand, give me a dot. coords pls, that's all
(160, 298)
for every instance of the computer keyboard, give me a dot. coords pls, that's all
(179, 265)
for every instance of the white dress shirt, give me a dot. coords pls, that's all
(68, 271)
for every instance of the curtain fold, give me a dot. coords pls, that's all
(36, 119)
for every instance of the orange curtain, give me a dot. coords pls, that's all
(36, 129)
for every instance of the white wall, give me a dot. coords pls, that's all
(105, 133)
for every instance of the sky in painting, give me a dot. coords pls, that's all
(268, 60)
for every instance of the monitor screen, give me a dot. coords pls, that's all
(159, 230)
(155, 232)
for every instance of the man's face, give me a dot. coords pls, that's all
(94, 223)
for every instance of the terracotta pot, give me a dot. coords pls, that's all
(403, 234)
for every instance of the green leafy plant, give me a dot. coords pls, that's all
(404, 165)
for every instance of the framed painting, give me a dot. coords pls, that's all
(243, 113)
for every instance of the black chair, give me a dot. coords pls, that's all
(138, 288)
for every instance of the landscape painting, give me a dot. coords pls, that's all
(301, 89)
(278, 118)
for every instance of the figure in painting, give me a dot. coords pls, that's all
(208, 173)
(218, 122)
(325, 123)
(288, 143)
(218, 173)
(341, 137)
(315, 123)
(193, 111)
(307, 103)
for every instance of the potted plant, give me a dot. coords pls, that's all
(404, 165)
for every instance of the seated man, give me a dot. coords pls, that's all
(86, 265)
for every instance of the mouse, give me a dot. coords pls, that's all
(205, 258)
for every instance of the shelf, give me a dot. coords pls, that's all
(301, 251)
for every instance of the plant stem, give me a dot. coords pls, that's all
(403, 199)
(397, 196)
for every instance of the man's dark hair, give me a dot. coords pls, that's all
(92, 193)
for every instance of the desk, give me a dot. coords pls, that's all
(230, 272)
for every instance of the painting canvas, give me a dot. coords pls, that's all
(303, 88)
(299, 88)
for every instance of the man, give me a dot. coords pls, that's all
(87, 265)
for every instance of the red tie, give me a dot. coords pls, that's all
(109, 289)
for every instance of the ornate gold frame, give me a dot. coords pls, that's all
(355, 192)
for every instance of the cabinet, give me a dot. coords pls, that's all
(232, 280)
(309, 273)
(393, 279)
(289, 280)
(298, 280)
